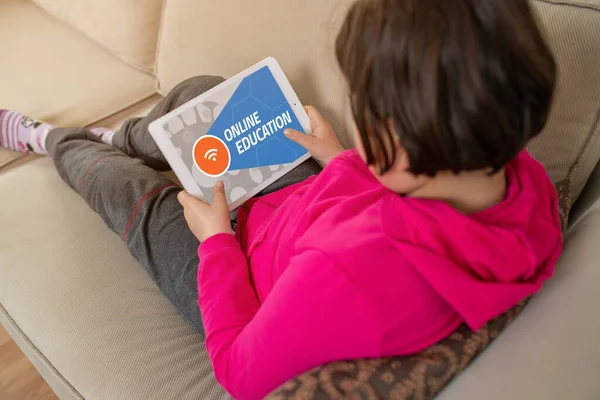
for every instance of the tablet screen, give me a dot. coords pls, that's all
(236, 135)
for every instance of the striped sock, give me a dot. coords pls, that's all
(105, 134)
(20, 133)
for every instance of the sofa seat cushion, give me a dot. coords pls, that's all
(51, 72)
(71, 287)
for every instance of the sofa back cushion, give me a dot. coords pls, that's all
(569, 147)
(128, 29)
(225, 37)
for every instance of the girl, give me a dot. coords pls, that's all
(438, 218)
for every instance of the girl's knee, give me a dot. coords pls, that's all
(196, 85)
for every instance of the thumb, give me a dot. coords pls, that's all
(302, 139)
(316, 119)
(219, 199)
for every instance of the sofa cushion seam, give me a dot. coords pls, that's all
(587, 148)
(576, 4)
(118, 110)
(161, 27)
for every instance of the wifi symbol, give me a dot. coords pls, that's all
(211, 155)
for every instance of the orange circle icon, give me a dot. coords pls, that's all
(211, 155)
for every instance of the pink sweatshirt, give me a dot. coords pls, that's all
(339, 267)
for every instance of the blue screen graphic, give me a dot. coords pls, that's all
(252, 123)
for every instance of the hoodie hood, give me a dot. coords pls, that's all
(484, 264)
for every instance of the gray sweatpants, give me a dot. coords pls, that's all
(122, 185)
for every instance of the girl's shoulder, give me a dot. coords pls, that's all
(351, 159)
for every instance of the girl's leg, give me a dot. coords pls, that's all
(139, 205)
(134, 200)
(134, 139)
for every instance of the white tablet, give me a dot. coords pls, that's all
(234, 133)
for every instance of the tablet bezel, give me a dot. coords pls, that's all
(175, 161)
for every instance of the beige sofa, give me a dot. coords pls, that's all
(88, 317)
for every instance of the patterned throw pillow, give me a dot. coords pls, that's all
(420, 376)
(563, 188)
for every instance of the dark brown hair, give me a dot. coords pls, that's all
(462, 84)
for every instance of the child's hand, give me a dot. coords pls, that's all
(204, 220)
(323, 143)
